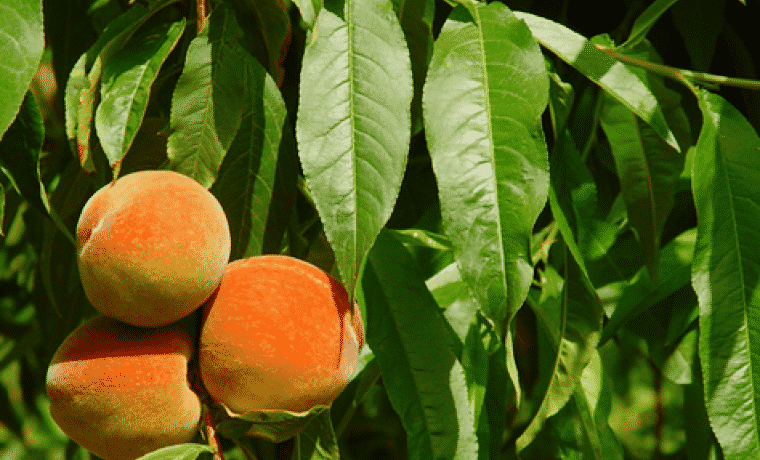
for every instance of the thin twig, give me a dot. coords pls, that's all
(201, 14)
(683, 75)
(213, 437)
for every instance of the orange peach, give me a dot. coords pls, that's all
(121, 391)
(278, 335)
(152, 247)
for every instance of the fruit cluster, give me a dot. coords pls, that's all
(153, 247)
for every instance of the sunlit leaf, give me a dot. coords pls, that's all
(613, 76)
(127, 79)
(353, 125)
(726, 273)
(21, 46)
(207, 107)
(485, 92)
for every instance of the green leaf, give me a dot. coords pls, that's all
(726, 272)
(207, 107)
(246, 183)
(646, 21)
(574, 330)
(485, 92)
(21, 46)
(416, 19)
(647, 166)
(580, 430)
(353, 125)
(83, 86)
(127, 79)
(407, 333)
(309, 10)
(267, 27)
(614, 77)
(20, 150)
(700, 23)
(317, 441)
(187, 451)
(273, 425)
(642, 293)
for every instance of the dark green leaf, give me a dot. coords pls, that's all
(646, 165)
(726, 273)
(267, 25)
(317, 441)
(207, 107)
(407, 333)
(127, 80)
(416, 19)
(700, 23)
(642, 293)
(646, 21)
(20, 150)
(21, 46)
(353, 125)
(574, 330)
(247, 176)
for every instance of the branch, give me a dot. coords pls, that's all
(705, 79)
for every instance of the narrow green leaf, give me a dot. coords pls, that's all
(642, 293)
(207, 109)
(700, 23)
(485, 92)
(20, 151)
(353, 125)
(574, 329)
(21, 46)
(83, 86)
(247, 175)
(613, 76)
(423, 379)
(646, 21)
(647, 167)
(726, 273)
(416, 19)
(127, 79)
(580, 430)
(267, 27)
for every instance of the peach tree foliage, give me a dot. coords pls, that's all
(509, 201)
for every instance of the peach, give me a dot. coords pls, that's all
(278, 335)
(122, 391)
(152, 247)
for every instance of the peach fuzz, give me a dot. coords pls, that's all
(121, 391)
(152, 247)
(278, 335)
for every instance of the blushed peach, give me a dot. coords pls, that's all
(278, 335)
(152, 247)
(121, 391)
